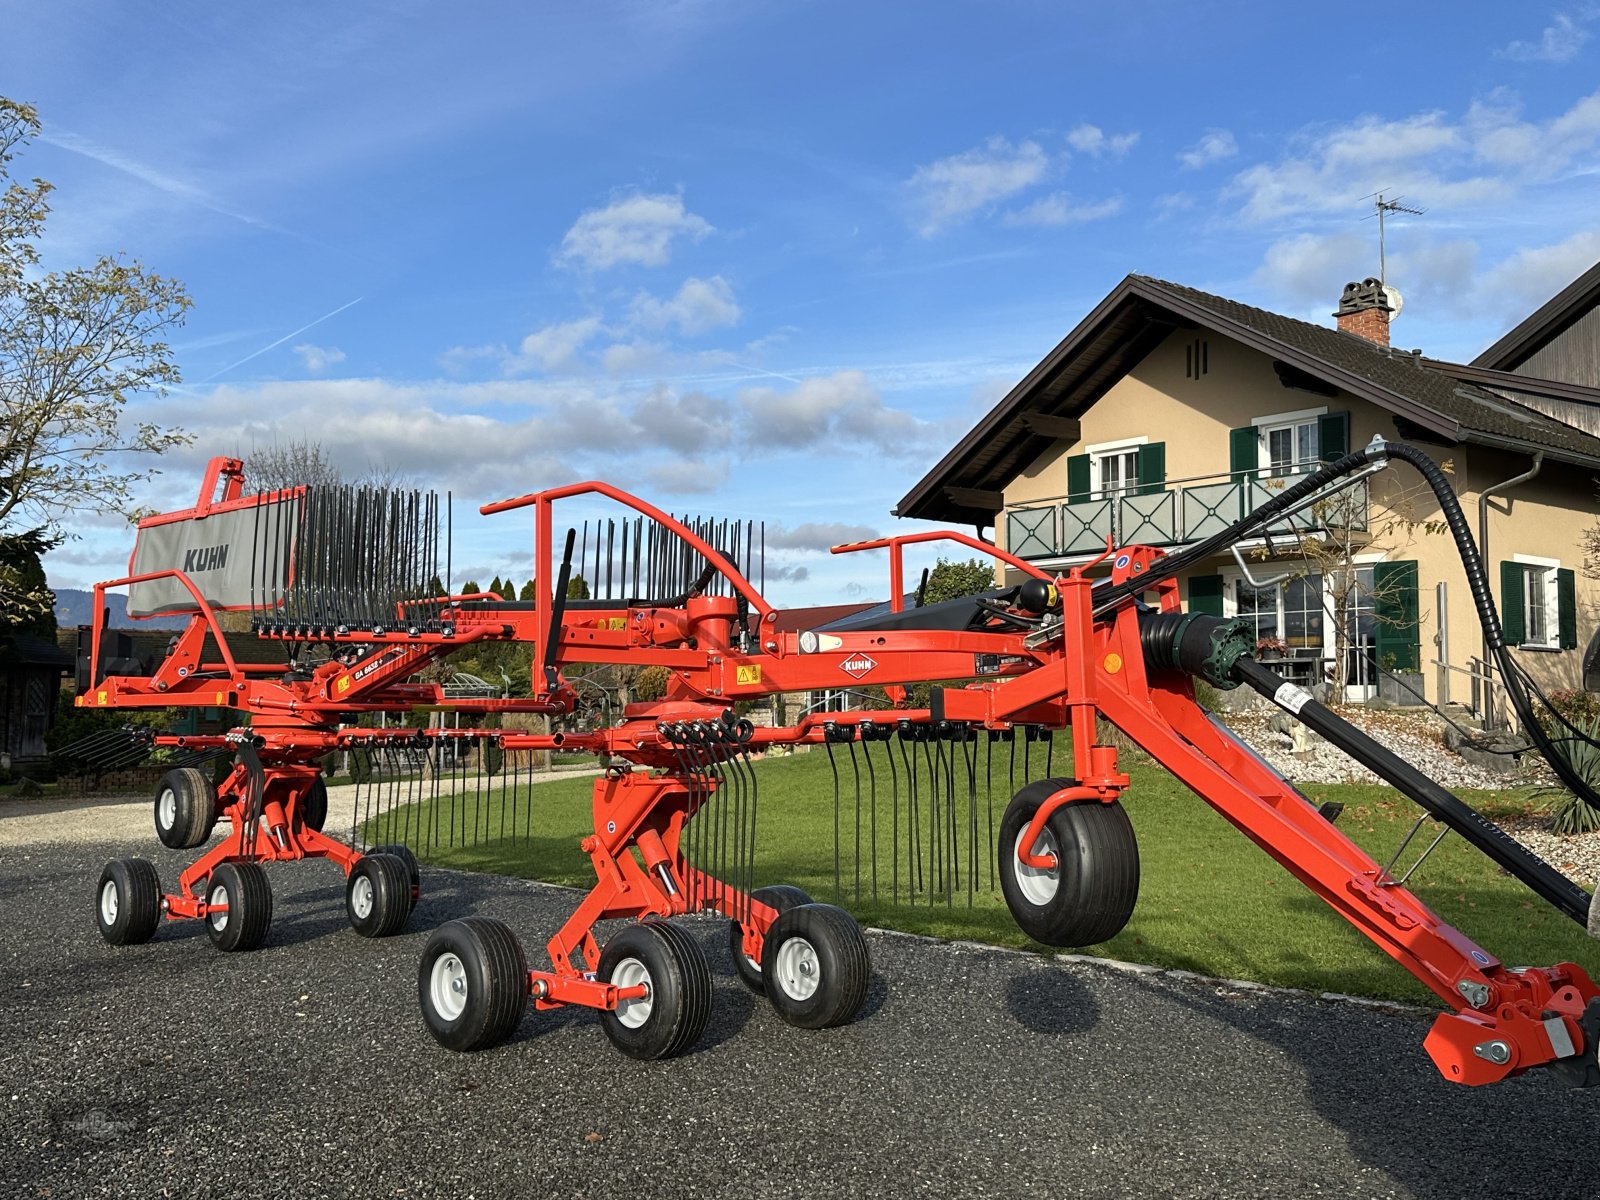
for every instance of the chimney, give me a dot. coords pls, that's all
(1364, 310)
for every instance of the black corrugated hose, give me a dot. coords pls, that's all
(1515, 679)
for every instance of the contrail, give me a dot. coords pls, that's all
(283, 339)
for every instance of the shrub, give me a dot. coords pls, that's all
(1576, 815)
(1575, 705)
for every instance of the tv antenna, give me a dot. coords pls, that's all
(1385, 207)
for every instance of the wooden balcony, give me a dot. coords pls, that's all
(1182, 512)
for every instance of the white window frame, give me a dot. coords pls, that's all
(1265, 426)
(1104, 450)
(1552, 600)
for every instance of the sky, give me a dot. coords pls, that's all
(764, 260)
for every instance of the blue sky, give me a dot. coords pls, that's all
(764, 259)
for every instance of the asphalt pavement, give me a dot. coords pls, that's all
(304, 1070)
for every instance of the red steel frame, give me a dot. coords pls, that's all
(1503, 1021)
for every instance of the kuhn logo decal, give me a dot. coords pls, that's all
(858, 665)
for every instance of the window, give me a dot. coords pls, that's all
(1288, 442)
(1291, 613)
(1115, 472)
(1539, 604)
(1114, 467)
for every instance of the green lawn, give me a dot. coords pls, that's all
(1210, 901)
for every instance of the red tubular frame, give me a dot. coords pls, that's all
(1502, 1021)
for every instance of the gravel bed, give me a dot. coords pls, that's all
(1417, 739)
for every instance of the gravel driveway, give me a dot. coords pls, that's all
(303, 1070)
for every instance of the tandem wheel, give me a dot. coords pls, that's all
(378, 895)
(128, 902)
(472, 983)
(241, 899)
(186, 808)
(1089, 895)
(815, 965)
(781, 896)
(672, 1014)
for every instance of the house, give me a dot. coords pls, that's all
(31, 670)
(1169, 412)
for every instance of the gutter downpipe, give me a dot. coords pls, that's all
(1498, 489)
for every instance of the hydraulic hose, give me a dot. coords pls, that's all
(1500, 846)
(1108, 594)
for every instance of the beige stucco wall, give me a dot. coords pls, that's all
(1193, 418)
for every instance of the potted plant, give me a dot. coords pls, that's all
(1271, 648)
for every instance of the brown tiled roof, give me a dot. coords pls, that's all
(1471, 408)
(1141, 312)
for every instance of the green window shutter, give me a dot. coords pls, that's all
(1205, 594)
(1244, 451)
(1077, 478)
(1152, 467)
(1397, 637)
(1567, 603)
(1333, 436)
(1513, 577)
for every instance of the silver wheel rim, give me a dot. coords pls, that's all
(219, 920)
(110, 902)
(1038, 885)
(799, 973)
(361, 899)
(167, 808)
(447, 986)
(630, 972)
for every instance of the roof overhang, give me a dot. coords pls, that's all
(1114, 338)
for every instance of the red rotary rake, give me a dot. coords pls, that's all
(341, 577)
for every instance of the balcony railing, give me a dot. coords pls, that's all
(1173, 516)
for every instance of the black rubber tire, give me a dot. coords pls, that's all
(781, 896)
(377, 895)
(679, 1004)
(248, 896)
(185, 808)
(838, 958)
(127, 902)
(314, 808)
(1096, 875)
(413, 871)
(490, 965)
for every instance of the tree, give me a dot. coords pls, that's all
(529, 592)
(303, 460)
(34, 612)
(951, 580)
(74, 346)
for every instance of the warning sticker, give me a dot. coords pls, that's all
(1291, 697)
(750, 674)
(858, 665)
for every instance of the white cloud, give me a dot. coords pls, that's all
(318, 358)
(953, 188)
(555, 347)
(1092, 140)
(842, 412)
(1486, 156)
(1529, 277)
(818, 536)
(684, 476)
(1216, 145)
(1058, 208)
(634, 358)
(634, 228)
(1308, 271)
(699, 306)
(1559, 42)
